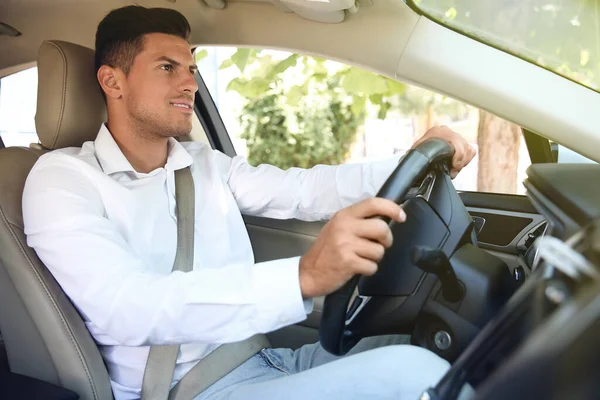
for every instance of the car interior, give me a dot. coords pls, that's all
(505, 287)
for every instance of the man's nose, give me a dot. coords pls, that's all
(189, 83)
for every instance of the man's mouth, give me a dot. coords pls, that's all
(184, 106)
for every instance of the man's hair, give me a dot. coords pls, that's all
(120, 35)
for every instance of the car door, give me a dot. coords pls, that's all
(506, 223)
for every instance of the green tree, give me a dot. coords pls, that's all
(301, 136)
(300, 113)
(322, 129)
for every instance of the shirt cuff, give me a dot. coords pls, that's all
(309, 305)
(278, 296)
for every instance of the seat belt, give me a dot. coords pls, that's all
(158, 376)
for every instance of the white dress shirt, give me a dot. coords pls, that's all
(108, 235)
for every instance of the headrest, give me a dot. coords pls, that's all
(70, 106)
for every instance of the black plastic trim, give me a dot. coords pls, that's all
(571, 187)
(497, 201)
(211, 121)
(538, 147)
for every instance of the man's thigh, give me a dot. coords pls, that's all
(391, 372)
(313, 355)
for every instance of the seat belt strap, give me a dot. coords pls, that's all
(216, 365)
(158, 374)
(162, 360)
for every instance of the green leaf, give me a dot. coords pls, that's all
(395, 87)
(358, 105)
(282, 66)
(226, 64)
(383, 110)
(241, 57)
(584, 57)
(319, 67)
(376, 99)
(360, 81)
(249, 88)
(295, 94)
(451, 13)
(318, 77)
(200, 55)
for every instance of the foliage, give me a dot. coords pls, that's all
(562, 35)
(200, 55)
(319, 105)
(311, 130)
(360, 85)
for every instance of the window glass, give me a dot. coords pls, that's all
(564, 155)
(18, 96)
(560, 35)
(291, 110)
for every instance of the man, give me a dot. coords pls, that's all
(111, 239)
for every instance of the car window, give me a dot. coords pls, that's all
(18, 96)
(292, 110)
(564, 155)
(560, 35)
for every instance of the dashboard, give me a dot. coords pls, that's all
(568, 195)
(553, 318)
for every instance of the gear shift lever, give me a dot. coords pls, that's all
(435, 261)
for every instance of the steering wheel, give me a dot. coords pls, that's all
(393, 299)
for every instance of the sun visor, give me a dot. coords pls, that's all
(327, 11)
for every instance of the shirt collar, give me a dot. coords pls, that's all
(112, 159)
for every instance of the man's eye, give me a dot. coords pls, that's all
(167, 67)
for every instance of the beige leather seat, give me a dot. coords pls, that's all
(44, 335)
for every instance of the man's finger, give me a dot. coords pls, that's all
(377, 206)
(472, 153)
(362, 266)
(461, 157)
(457, 162)
(374, 229)
(370, 250)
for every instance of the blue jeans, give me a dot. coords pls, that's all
(390, 369)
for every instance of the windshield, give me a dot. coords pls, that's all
(560, 35)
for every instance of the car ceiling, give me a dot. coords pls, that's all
(384, 36)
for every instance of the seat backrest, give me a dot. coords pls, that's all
(44, 335)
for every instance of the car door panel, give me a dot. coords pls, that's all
(509, 223)
(272, 239)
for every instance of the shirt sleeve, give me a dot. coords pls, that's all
(123, 301)
(306, 194)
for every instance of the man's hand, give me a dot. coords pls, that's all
(463, 151)
(351, 243)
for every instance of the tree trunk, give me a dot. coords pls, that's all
(430, 121)
(498, 147)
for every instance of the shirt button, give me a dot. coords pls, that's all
(283, 319)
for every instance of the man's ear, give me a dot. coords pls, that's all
(111, 80)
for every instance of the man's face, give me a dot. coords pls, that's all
(159, 90)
